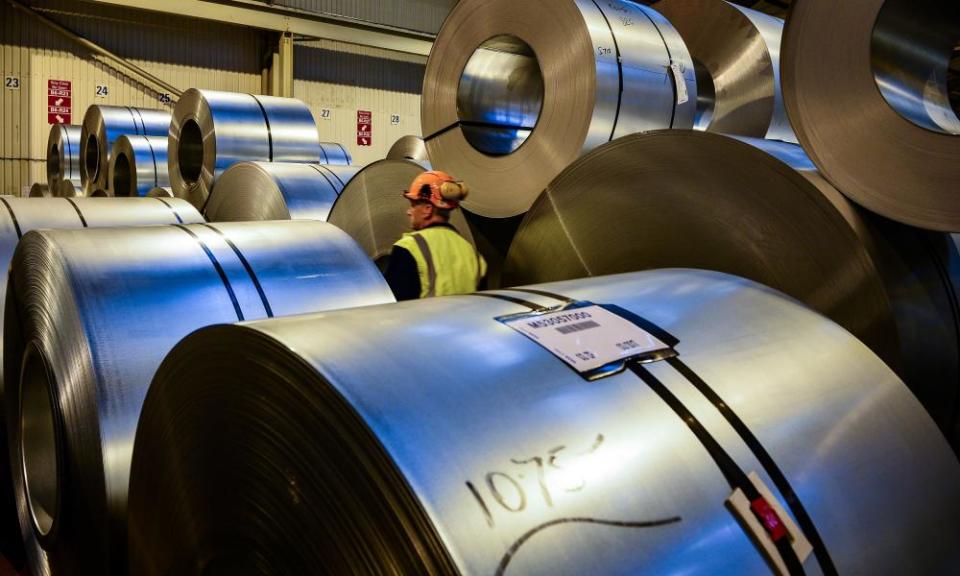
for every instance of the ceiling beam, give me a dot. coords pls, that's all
(280, 19)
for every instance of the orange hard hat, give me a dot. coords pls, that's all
(437, 188)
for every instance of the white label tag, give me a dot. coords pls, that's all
(587, 338)
(683, 96)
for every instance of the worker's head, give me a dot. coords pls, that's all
(433, 195)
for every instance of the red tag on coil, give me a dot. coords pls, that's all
(768, 517)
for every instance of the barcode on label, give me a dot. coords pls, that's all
(578, 327)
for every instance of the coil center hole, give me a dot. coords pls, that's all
(53, 161)
(915, 61)
(38, 440)
(122, 181)
(500, 95)
(190, 152)
(92, 158)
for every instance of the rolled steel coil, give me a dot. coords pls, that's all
(760, 211)
(866, 91)
(211, 131)
(102, 126)
(161, 192)
(21, 215)
(70, 189)
(328, 444)
(333, 154)
(92, 326)
(137, 165)
(516, 91)
(373, 211)
(736, 57)
(410, 148)
(38, 190)
(251, 191)
(63, 155)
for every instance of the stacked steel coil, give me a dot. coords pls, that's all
(137, 165)
(373, 211)
(19, 216)
(161, 192)
(410, 148)
(515, 91)
(328, 444)
(736, 56)
(866, 91)
(760, 211)
(251, 191)
(38, 190)
(211, 131)
(63, 156)
(69, 189)
(102, 126)
(92, 325)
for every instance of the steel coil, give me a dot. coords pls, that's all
(161, 192)
(699, 200)
(102, 126)
(137, 165)
(866, 91)
(63, 155)
(38, 190)
(373, 211)
(343, 444)
(736, 57)
(252, 191)
(93, 325)
(212, 130)
(410, 148)
(516, 91)
(19, 216)
(69, 189)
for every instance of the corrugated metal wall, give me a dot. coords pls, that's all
(343, 79)
(334, 79)
(420, 15)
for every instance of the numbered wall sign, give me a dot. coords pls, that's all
(103, 90)
(11, 82)
(395, 119)
(165, 98)
(326, 114)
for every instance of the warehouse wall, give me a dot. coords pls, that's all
(420, 15)
(336, 77)
(344, 78)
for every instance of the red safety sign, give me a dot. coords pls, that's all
(59, 101)
(364, 128)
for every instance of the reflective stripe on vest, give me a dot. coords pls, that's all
(446, 263)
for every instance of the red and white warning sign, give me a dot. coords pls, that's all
(364, 128)
(59, 101)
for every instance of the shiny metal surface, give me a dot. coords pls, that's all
(38, 190)
(102, 126)
(866, 93)
(373, 211)
(326, 444)
(63, 155)
(699, 200)
(137, 165)
(251, 191)
(410, 148)
(738, 52)
(515, 91)
(161, 192)
(211, 131)
(21, 215)
(102, 320)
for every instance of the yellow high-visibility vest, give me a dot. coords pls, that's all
(446, 263)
